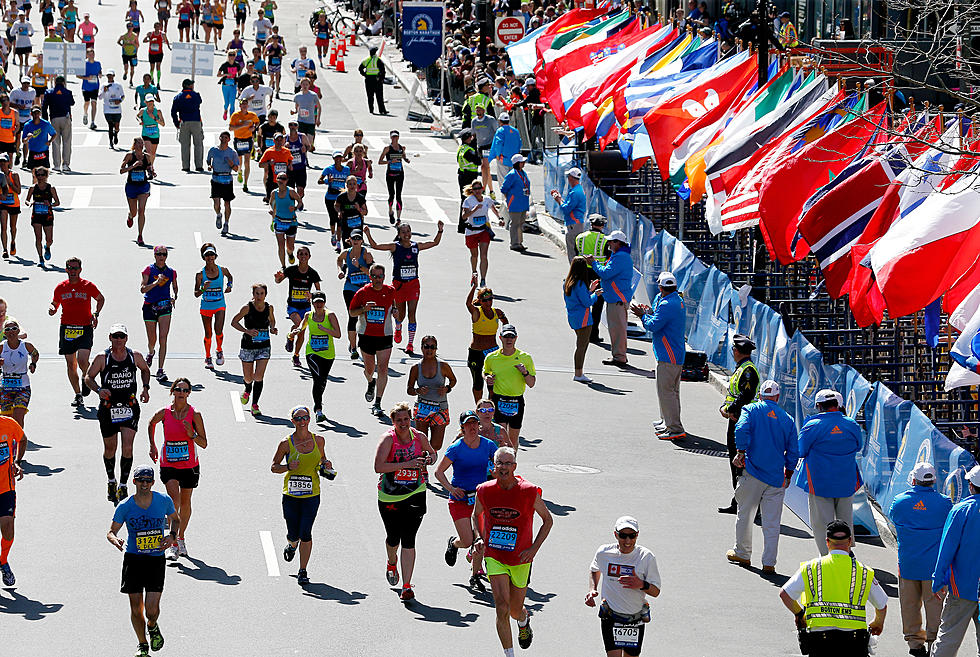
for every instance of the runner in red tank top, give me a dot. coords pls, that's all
(508, 505)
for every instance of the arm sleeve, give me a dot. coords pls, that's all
(807, 437)
(877, 596)
(655, 321)
(652, 572)
(595, 562)
(792, 446)
(794, 587)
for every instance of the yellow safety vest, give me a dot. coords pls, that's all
(836, 590)
(592, 243)
(735, 383)
(478, 99)
(787, 36)
(371, 66)
(462, 162)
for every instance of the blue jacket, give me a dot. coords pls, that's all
(186, 107)
(616, 275)
(959, 569)
(578, 305)
(574, 207)
(667, 321)
(506, 142)
(56, 103)
(516, 189)
(919, 515)
(768, 436)
(828, 444)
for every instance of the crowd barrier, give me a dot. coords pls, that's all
(897, 433)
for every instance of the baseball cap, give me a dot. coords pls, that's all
(973, 476)
(318, 296)
(743, 343)
(159, 248)
(769, 388)
(118, 328)
(356, 233)
(338, 153)
(143, 471)
(508, 329)
(468, 416)
(924, 471)
(574, 172)
(517, 159)
(110, 72)
(666, 279)
(627, 522)
(597, 219)
(785, 14)
(619, 236)
(838, 530)
(504, 116)
(464, 133)
(25, 79)
(826, 395)
(210, 249)
(3, 157)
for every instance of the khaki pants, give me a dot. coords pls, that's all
(571, 232)
(61, 146)
(751, 494)
(913, 594)
(191, 130)
(825, 509)
(516, 222)
(616, 320)
(955, 621)
(668, 394)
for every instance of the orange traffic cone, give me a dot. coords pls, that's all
(340, 62)
(333, 54)
(342, 44)
(352, 38)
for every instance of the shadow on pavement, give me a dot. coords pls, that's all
(559, 509)
(440, 614)
(239, 238)
(528, 443)
(333, 425)
(33, 447)
(24, 606)
(693, 442)
(599, 387)
(311, 226)
(535, 254)
(540, 599)
(38, 469)
(12, 279)
(204, 572)
(229, 377)
(268, 419)
(326, 592)
(484, 598)
(785, 530)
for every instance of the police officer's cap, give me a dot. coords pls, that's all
(743, 343)
(597, 220)
(838, 530)
(373, 50)
(465, 133)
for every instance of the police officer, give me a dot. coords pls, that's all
(373, 70)
(742, 390)
(468, 167)
(594, 243)
(829, 442)
(919, 515)
(765, 437)
(480, 98)
(835, 590)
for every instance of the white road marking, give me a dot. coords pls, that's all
(324, 145)
(377, 143)
(432, 146)
(269, 549)
(153, 202)
(81, 198)
(199, 241)
(432, 209)
(373, 210)
(92, 139)
(236, 405)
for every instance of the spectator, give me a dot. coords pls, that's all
(829, 442)
(516, 190)
(593, 242)
(186, 113)
(56, 108)
(787, 32)
(958, 571)
(919, 515)
(765, 439)
(506, 144)
(616, 277)
(573, 209)
(666, 319)
(743, 386)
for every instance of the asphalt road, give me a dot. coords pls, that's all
(235, 595)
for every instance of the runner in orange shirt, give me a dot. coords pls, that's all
(242, 125)
(275, 160)
(13, 445)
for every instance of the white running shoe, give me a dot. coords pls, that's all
(181, 547)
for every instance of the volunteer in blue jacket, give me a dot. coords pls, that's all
(505, 145)
(666, 320)
(919, 515)
(829, 442)
(765, 439)
(958, 571)
(516, 189)
(580, 296)
(616, 277)
(573, 209)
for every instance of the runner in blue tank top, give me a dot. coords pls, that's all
(211, 284)
(282, 207)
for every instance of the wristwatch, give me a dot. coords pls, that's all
(646, 586)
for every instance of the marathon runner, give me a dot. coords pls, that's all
(144, 90)
(74, 296)
(242, 10)
(90, 87)
(374, 305)
(335, 177)
(431, 380)
(70, 15)
(196, 18)
(119, 412)
(353, 265)
(324, 328)
(299, 145)
(274, 51)
(42, 198)
(13, 446)
(210, 286)
(9, 204)
(158, 306)
(259, 97)
(351, 209)
(18, 360)
(321, 31)
(145, 515)
(303, 67)
(134, 16)
(395, 156)
(302, 278)
(401, 459)
(471, 458)
(237, 45)
(227, 75)
(259, 322)
(502, 521)
(262, 27)
(37, 137)
(112, 95)
(486, 320)
(243, 124)
(23, 100)
(163, 12)
(156, 39)
(360, 167)
(268, 8)
(151, 118)
(405, 277)
(222, 161)
(308, 111)
(138, 167)
(267, 134)
(275, 160)
(508, 372)
(358, 141)
(282, 208)
(180, 470)
(476, 209)
(9, 127)
(490, 429)
(130, 43)
(305, 462)
(217, 20)
(629, 574)
(185, 13)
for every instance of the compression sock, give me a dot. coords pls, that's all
(508, 652)
(258, 392)
(207, 347)
(411, 332)
(125, 466)
(248, 387)
(221, 339)
(110, 467)
(5, 549)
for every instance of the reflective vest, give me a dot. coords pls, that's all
(592, 243)
(836, 590)
(478, 99)
(371, 66)
(787, 36)
(462, 162)
(735, 383)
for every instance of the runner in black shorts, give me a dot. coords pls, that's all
(351, 210)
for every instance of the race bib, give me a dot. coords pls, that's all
(360, 278)
(297, 157)
(319, 342)
(222, 178)
(119, 414)
(408, 272)
(114, 102)
(508, 407)
(257, 103)
(6, 124)
(7, 199)
(151, 131)
(299, 295)
(304, 113)
(503, 538)
(178, 451)
(395, 166)
(13, 381)
(478, 221)
(282, 225)
(4, 452)
(470, 498)
(279, 167)
(74, 332)
(263, 336)
(270, 142)
(406, 476)
(42, 155)
(424, 409)
(243, 145)
(163, 305)
(149, 540)
(300, 485)
(354, 222)
(321, 35)
(376, 315)
(626, 635)
(275, 61)
(213, 294)
(41, 208)
(137, 176)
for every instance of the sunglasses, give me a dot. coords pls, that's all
(73, 268)
(118, 336)
(484, 411)
(183, 390)
(627, 536)
(357, 239)
(143, 481)
(301, 418)
(486, 297)
(378, 277)
(428, 346)
(160, 255)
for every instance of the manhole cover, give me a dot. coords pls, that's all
(565, 468)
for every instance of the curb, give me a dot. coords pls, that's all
(550, 227)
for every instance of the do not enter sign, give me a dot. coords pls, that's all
(508, 30)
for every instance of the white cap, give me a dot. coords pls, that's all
(574, 172)
(827, 395)
(769, 389)
(517, 159)
(924, 472)
(504, 116)
(666, 279)
(619, 236)
(627, 522)
(118, 328)
(110, 72)
(973, 476)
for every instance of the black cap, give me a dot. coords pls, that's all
(187, 83)
(373, 50)
(743, 343)
(838, 530)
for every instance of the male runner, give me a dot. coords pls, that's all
(13, 445)
(74, 297)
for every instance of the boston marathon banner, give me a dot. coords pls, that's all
(422, 32)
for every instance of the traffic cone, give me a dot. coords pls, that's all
(352, 38)
(340, 62)
(333, 54)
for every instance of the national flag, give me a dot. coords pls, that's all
(965, 354)
(620, 25)
(522, 54)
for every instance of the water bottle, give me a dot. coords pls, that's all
(872, 645)
(327, 473)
